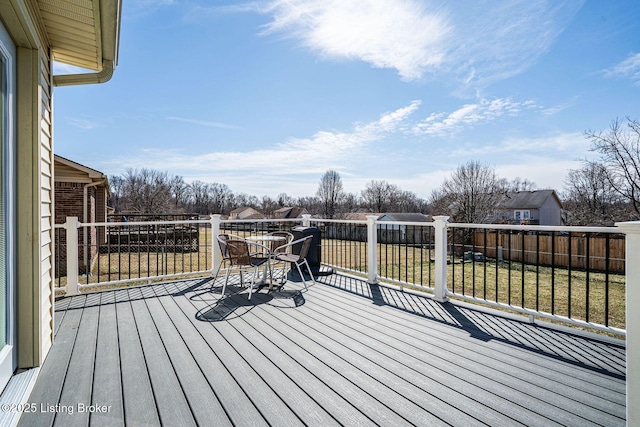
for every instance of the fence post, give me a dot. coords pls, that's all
(215, 250)
(72, 225)
(440, 289)
(632, 286)
(372, 250)
(306, 220)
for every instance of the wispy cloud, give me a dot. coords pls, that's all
(478, 43)
(205, 123)
(629, 68)
(484, 111)
(327, 149)
(82, 123)
(563, 142)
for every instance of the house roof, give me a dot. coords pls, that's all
(527, 199)
(402, 216)
(289, 212)
(241, 209)
(92, 173)
(359, 216)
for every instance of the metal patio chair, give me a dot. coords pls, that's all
(283, 254)
(241, 258)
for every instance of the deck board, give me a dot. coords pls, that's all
(107, 390)
(78, 384)
(342, 353)
(202, 400)
(227, 389)
(173, 408)
(139, 403)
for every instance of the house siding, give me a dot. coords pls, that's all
(46, 187)
(550, 212)
(35, 249)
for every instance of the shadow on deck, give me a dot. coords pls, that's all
(342, 353)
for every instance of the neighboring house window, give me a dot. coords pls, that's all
(521, 215)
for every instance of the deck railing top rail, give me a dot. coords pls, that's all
(567, 229)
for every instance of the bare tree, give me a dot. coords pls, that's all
(284, 200)
(379, 196)
(201, 199)
(330, 193)
(350, 202)
(472, 192)
(590, 199)
(619, 148)
(268, 205)
(116, 184)
(312, 204)
(180, 191)
(243, 199)
(146, 191)
(220, 197)
(519, 184)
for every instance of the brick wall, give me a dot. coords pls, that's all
(69, 199)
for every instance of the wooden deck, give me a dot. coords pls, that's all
(341, 353)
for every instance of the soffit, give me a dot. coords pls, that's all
(74, 31)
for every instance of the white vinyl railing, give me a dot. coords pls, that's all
(512, 270)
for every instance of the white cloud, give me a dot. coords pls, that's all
(205, 123)
(546, 172)
(283, 163)
(629, 68)
(386, 34)
(477, 42)
(443, 124)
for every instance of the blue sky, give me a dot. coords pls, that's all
(266, 96)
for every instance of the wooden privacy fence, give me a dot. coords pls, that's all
(598, 253)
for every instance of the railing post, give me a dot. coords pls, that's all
(372, 250)
(440, 226)
(71, 226)
(215, 249)
(632, 289)
(306, 220)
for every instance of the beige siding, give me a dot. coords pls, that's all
(65, 173)
(46, 186)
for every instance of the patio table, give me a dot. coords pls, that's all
(266, 239)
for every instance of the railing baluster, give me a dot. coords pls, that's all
(606, 278)
(523, 254)
(569, 279)
(553, 272)
(588, 278)
(509, 236)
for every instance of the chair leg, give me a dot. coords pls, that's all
(253, 279)
(313, 279)
(226, 279)
(301, 275)
(215, 277)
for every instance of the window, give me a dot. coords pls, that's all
(522, 215)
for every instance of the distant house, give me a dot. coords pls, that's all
(289, 212)
(403, 233)
(82, 192)
(245, 212)
(538, 207)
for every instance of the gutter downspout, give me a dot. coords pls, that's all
(85, 214)
(102, 76)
